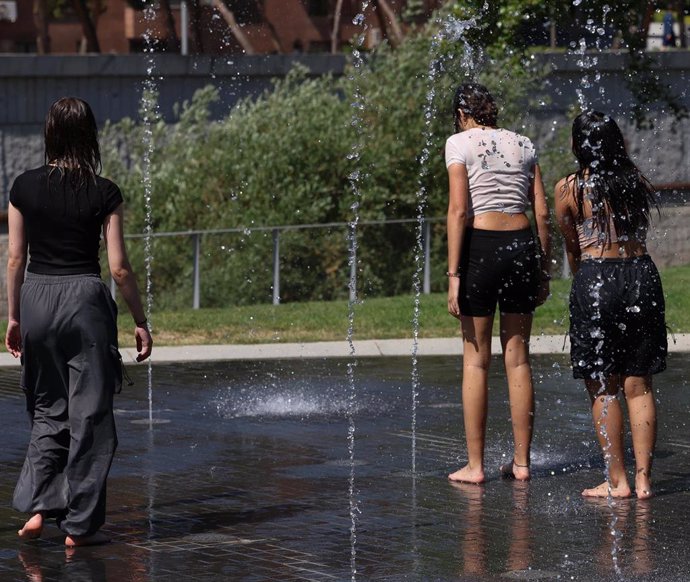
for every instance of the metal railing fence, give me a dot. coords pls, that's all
(276, 232)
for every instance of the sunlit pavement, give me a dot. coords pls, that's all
(245, 474)
(539, 344)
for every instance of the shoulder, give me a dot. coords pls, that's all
(110, 195)
(30, 175)
(457, 139)
(565, 189)
(456, 150)
(519, 139)
(107, 186)
(567, 184)
(26, 183)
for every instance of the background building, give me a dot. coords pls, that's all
(213, 26)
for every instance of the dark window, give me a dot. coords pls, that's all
(318, 7)
(246, 11)
(61, 11)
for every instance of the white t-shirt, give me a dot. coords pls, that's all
(500, 166)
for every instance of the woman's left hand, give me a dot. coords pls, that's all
(544, 292)
(453, 294)
(13, 339)
(144, 342)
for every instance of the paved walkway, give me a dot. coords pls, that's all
(247, 474)
(542, 344)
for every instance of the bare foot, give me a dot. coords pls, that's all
(643, 486)
(96, 539)
(468, 475)
(620, 492)
(32, 528)
(514, 471)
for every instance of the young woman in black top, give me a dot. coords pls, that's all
(62, 322)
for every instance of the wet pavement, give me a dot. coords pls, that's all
(246, 474)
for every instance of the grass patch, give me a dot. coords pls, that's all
(375, 318)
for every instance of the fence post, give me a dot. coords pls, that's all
(113, 287)
(565, 273)
(276, 266)
(196, 239)
(427, 257)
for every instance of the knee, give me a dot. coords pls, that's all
(515, 357)
(637, 389)
(478, 363)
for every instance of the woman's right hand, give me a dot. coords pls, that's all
(142, 336)
(13, 339)
(453, 294)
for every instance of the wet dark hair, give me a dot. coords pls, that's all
(71, 140)
(475, 101)
(614, 185)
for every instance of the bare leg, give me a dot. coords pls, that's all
(476, 332)
(642, 412)
(515, 332)
(608, 424)
(33, 528)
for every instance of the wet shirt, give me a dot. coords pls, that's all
(63, 226)
(500, 167)
(590, 235)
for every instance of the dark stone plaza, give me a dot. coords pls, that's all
(246, 474)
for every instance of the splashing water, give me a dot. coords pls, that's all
(588, 62)
(149, 111)
(598, 333)
(289, 400)
(354, 178)
(452, 30)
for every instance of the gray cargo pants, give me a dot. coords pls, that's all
(71, 369)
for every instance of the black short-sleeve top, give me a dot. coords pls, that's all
(63, 225)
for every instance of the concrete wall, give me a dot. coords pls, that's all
(3, 277)
(669, 238)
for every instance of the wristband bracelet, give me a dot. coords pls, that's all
(141, 323)
(449, 274)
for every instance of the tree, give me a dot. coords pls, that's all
(88, 28)
(40, 12)
(200, 182)
(172, 39)
(389, 22)
(335, 34)
(234, 27)
(509, 25)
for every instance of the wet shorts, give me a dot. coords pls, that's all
(501, 267)
(617, 318)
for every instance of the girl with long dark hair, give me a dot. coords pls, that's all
(494, 259)
(62, 322)
(617, 325)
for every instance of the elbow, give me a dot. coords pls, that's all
(120, 273)
(543, 217)
(458, 215)
(16, 263)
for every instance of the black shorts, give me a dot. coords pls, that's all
(617, 318)
(501, 267)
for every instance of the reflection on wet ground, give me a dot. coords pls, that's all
(245, 477)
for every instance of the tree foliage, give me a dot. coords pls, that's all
(514, 26)
(283, 159)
